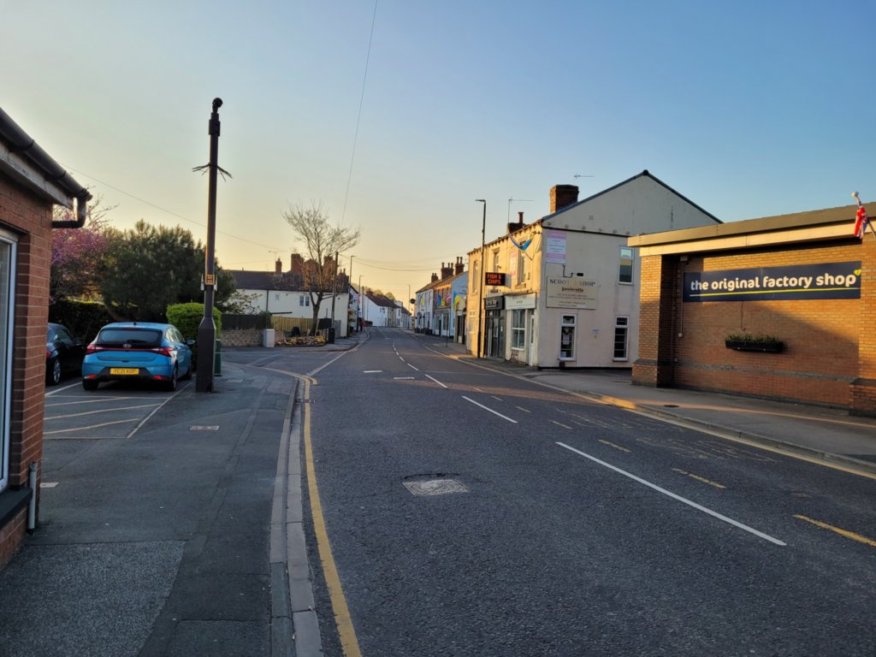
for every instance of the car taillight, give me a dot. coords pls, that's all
(91, 348)
(164, 351)
(48, 352)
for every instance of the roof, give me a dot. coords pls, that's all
(381, 300)
(266, 280)
(443, 281)
(782, 222)
(645, 174)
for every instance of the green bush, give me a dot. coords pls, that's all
(187, 317)
(83, 318)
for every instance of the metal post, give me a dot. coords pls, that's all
(207, 328)
(482, 275)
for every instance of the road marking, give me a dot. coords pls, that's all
(611, 444)
(204, 427)
(560, 424)
(319, 369)
(149, 417)
(520, 408)
(91, 426)
(498, 399)
(48, 484)
(487, 408)
(698, 478)
(100, 410)
(436, 381)
(412, 367)
(372, 371)
(343, 620)
(678, 498)
(403, 378)
(842, 532)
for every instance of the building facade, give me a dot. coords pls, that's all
(31, 183)
(779, 307)
(563, 291)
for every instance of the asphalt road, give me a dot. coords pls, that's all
(471, 513)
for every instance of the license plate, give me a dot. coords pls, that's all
(125, 371)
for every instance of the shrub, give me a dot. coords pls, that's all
(83, 318)
(187, 317)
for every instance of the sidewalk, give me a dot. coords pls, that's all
(825, 434)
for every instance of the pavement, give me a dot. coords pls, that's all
(189, 538)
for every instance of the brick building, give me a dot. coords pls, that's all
(31, 183)
(780, 307)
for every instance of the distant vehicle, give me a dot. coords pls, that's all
(64, 353)
(137, 351)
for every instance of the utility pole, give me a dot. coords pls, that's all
(207, 328)
(483, 275)
(334, 293)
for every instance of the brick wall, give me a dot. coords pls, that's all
(830, 353)
(30, 219)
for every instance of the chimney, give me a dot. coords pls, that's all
(562, 196)
(513, 228)
(297, 264)
(460, 267)
(446, 270)
(434, 277)
(278, 267)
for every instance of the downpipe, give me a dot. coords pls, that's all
(32, 506)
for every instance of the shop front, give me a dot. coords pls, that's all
(494, 327)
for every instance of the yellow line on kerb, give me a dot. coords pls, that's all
(841, 532)
(346, 633)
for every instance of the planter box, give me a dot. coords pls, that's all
(765, 347)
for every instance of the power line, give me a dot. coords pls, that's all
(359, 113)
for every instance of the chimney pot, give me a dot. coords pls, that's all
(278, 266)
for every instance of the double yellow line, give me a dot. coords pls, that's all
(343, 621)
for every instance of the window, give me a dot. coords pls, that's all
(518, 329)
(567, 338)
(496, 260)
(521, 267)
(303, 299)
(474, 277)
(625, 275)
(621, 331)
(7, 296)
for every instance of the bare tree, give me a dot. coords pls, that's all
(321, 243)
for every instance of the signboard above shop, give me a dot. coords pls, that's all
(494, 278)
(833, 280)
(571, 292)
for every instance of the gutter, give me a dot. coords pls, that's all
(24, 146)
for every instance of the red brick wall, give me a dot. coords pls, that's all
(30, 219)
(829, 356)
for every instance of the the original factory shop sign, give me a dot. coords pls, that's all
(834, 280)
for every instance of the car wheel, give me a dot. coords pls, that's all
(53, 372)
(88, 384)
(174, 376)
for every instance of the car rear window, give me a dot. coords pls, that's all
(119, 337)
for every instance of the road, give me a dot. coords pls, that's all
(471, 513)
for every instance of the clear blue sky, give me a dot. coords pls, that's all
(748, 108)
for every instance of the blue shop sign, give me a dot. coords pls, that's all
(834, 280)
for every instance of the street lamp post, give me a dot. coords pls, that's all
(482, 276)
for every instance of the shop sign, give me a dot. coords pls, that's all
(494, 278)
(520, 301)
(493, 303)
(571, 292)
(833, 280)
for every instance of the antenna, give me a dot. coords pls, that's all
(518, 200)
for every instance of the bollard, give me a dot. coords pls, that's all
(217, 359)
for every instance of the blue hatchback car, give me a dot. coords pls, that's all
(138, 351)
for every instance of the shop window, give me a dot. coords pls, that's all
(567, 337)
(621, 334)
(625, 274)
(518, 329)
(7, 296)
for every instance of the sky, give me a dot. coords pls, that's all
(394, 115)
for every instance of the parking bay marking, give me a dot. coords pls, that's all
(103, 410)
(678, 498)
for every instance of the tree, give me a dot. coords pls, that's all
(321, 243)
(77, 254)
(147, 269)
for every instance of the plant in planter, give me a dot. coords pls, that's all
(747, 342)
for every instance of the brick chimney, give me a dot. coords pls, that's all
(460, 267)
(446, 270)
(297, 264)
(434, 277)
(278, 266)
(513, 228)
(563, 196)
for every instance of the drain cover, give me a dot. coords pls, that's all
(443, 486)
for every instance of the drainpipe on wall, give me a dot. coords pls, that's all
(32, 506)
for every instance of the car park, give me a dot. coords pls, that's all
(64, 353)
(137, 351)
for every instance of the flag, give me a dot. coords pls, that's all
(523, 245)
(860, 222)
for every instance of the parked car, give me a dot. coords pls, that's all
(64, 353)
(137, 351)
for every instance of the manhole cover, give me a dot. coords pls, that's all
(442, 486)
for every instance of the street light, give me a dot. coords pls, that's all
(482, 275)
